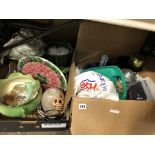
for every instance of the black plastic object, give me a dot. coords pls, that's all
(136, 92)
(123, 62)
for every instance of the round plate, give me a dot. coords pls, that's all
(47, 63)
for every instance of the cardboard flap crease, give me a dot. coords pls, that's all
(97, 38)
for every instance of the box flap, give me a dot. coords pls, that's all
(101, 116)
(144, 24)
(70, 86)
(98, 38)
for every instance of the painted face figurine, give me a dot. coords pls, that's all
(53, 101)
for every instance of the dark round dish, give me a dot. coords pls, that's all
(62, 60)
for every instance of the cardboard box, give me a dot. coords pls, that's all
(32, 122)
(100, 116)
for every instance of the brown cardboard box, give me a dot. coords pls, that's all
(99, 116)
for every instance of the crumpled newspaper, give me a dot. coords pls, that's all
(94, 85)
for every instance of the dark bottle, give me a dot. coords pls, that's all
(136, 62)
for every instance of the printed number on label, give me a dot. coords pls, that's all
(82, 106)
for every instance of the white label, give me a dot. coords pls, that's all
(114, 111)
(82, 106)
(53, 125)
